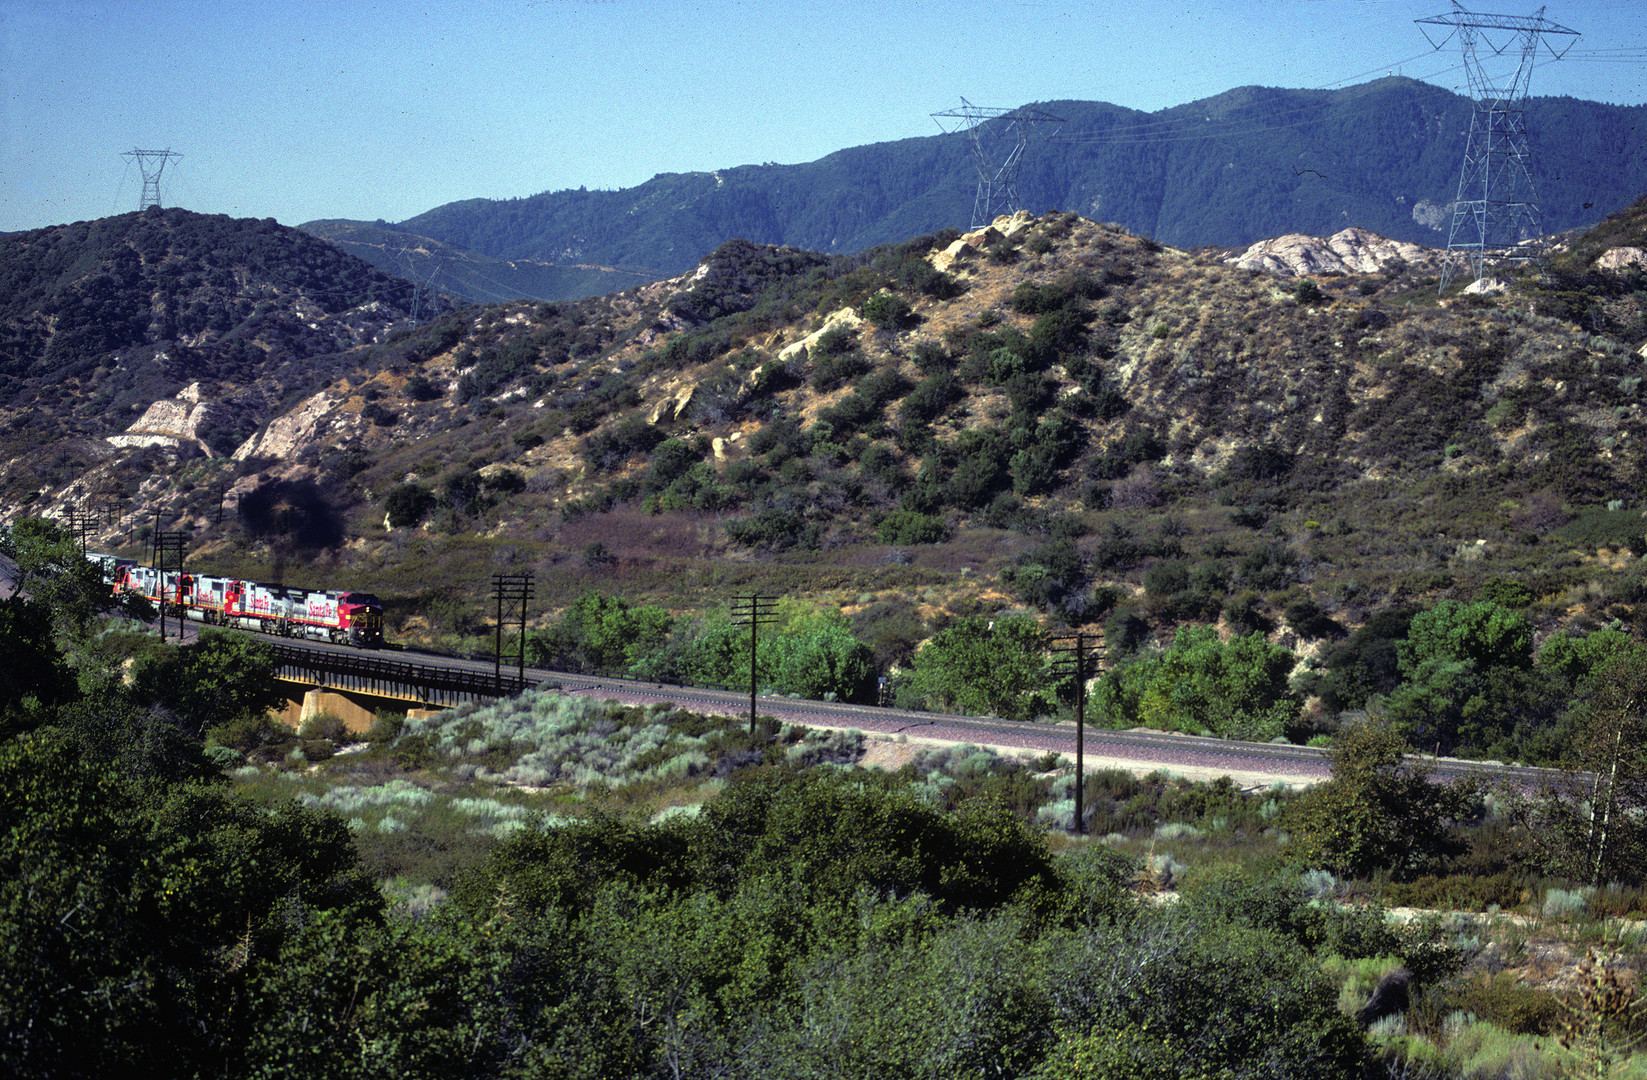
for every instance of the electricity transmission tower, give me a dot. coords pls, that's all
(422, 290)
(152, 163)
(1495, 217)
(997, 138)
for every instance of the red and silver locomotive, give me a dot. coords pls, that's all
(353, 618)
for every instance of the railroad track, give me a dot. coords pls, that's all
(1136, 750)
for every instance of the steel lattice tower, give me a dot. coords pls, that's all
(1495, 217)
(151, 173)
(997, 138)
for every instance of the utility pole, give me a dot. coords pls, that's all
(997, 138)
(168, 545)
(1495, 217)
(754, 611)
(1078, 655)
(515, 590)
(152, 163)
(83, 522)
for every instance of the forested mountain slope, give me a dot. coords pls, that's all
(1248, 164)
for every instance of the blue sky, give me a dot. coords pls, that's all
(299, 110)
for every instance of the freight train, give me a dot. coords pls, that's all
(343, 618)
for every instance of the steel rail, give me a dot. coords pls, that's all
(474, 679)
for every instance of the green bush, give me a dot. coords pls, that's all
(907, 527)
(886, 311)
(832, 370)
(407, 505)
(248, 732)
(774, 530)
(1504, 1001)
(1235, 689)
(324, 725)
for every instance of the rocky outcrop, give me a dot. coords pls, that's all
(844, 318)
(1351, 251)
(175, 422)
(316, 418)
(672, 405)
(1621, 258)
(970, 244)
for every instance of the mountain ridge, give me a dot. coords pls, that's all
(1249, 164)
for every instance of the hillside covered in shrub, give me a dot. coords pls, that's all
(942, 449)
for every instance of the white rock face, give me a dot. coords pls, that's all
(1351, 251)
(845, 318)
(286, 434)
(967, 247)
(952, 256)
(175, 421)
(1621, 257)
(672, 405)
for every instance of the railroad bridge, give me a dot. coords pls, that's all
(354, 687)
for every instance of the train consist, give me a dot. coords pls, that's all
(343, 618)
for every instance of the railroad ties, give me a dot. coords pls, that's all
(401, 679)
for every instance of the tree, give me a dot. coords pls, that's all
(1591, 825)
(908, 527)
(407, 505)
(603, 633)
(129, 916)
(1052, 576)
(1236, 689)
(886, 311)
(222, 677)
(810, 651)
(832, 836)
(33, 672)
(816, 656)
(346, 997)
(1367, 663)
(1484, 634)
(1377, 812)
(982, 666)
(1467, 677)
(50, 571)
(1173, 997)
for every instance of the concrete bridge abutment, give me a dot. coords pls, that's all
(357, 710)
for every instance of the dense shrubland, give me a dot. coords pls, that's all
(1344, 514)
(1337, 510)
(557, 886)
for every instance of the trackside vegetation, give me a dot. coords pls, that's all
(553, 886)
